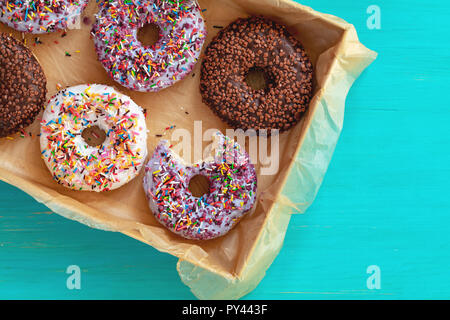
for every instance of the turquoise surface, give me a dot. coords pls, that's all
(384, 200)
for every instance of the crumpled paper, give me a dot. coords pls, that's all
(231, 266)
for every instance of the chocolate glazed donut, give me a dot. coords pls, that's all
(22, 86)
(257, 44)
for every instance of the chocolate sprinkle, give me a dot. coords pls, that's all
(22, 86)
(257, 43)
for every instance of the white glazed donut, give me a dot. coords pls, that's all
(73, 162)
(41, 16)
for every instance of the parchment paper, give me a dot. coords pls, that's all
(233, 265)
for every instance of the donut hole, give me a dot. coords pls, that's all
(94, 136)
(199, 185)
(257, 78)
(149, 34)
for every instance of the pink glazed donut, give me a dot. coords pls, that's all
(41, 16)
(232, 190)
(141, 68)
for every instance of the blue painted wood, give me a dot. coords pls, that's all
(384, 200)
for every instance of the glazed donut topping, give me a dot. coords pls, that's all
(250, 44)
(232, 190)
(41, 16)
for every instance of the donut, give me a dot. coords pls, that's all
(79, 165)
(232, 190)
(23, 86)
(250, 45)
(149, 68)
(41, 16)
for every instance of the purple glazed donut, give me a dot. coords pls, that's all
(232, 190)
(152, 68)
(41, 16)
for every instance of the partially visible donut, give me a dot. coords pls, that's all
(41, 16)
(256, 43)
(232, 190)
(75, 163)
(141, 68)
(23, 86)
